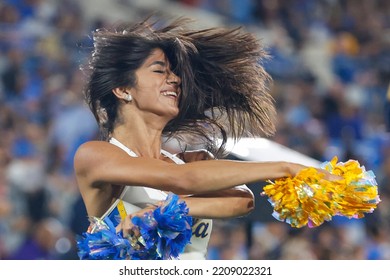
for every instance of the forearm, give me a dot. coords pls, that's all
(208, 176)
(235, 202)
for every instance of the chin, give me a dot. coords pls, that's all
(170, 115)
(174, 112)
(173, 116)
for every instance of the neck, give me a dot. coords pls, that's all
(143, 138)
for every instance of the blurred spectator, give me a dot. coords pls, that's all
(43, 242)
(330, 61)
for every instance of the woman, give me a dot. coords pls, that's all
(147, 83)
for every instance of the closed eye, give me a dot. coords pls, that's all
(159, 71)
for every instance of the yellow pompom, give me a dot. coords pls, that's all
(357, 193)
(309, 199)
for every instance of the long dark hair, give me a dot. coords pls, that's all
(225, 90)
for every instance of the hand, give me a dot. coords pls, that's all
(295, 168)
(329, 176)
(126, 225)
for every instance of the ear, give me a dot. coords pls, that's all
(119, 92)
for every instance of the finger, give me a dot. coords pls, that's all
(126, 226)
(136, 231)
(331, 177)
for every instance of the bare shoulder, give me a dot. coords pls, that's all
(92, 152)
(93, 145)
(91, 148)
(195, 155)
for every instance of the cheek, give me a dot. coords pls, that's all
(146, 91)
(150, 86)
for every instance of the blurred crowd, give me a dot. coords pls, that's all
(330, 61)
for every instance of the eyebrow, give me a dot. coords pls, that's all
(158, 62)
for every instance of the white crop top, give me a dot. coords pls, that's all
(134, 198)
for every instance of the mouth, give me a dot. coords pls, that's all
(171, 94)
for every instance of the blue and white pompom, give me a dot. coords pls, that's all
(164, 233)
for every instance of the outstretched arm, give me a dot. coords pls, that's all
(98, 163)
(102, 168)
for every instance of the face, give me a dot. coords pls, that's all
(157, 88)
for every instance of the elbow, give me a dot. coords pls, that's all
(245, 201)
(235, 203)
(249, 205)
(244, 206)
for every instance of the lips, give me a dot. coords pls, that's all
(170, 93)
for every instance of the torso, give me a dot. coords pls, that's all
(134, 198)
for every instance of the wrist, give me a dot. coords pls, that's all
(287, 169)
(291, 169)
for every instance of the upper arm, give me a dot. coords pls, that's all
(99, 162)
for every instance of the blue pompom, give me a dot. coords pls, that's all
(164, 233)
(102, 242)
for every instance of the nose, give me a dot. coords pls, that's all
(172, 78)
